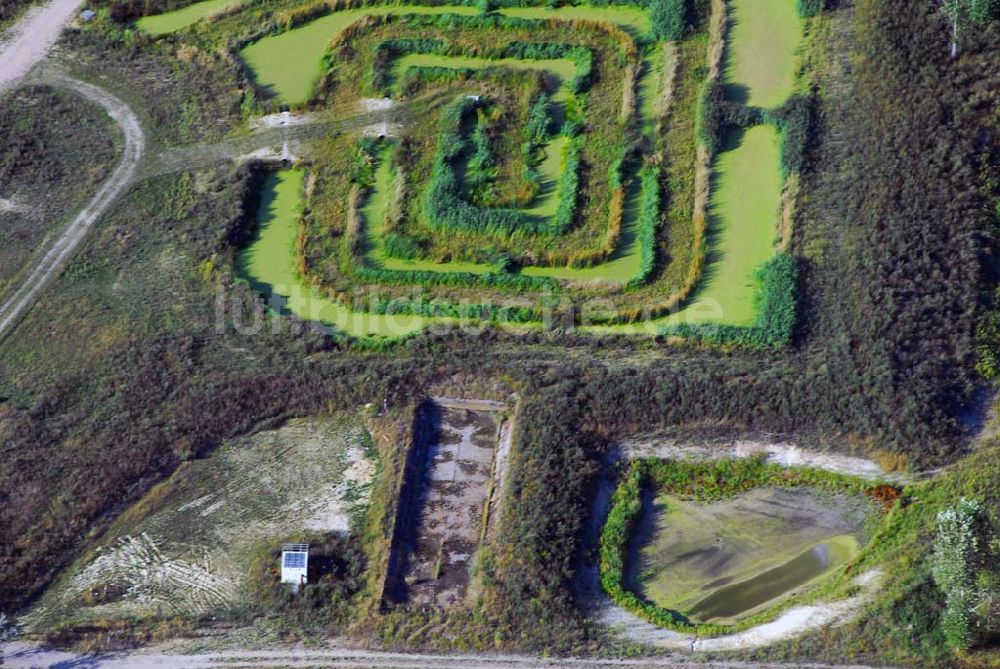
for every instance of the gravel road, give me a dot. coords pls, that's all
(22, 656)
(27, 42)
(48, 266)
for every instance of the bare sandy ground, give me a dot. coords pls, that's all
(30, 39)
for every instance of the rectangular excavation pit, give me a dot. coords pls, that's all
(448, 500)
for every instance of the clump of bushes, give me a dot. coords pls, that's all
(808, 8)
(336, 575)
(668, 18)
(957, 566)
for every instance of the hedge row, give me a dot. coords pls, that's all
(582, 57)
(648, 224)
(389, 50)
(446, 207)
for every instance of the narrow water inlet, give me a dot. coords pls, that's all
(740, 598)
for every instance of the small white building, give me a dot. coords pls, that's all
(295, 565)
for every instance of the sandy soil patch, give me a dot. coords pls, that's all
(185, 548)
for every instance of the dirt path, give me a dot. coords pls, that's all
(784, 454)
(27, 42)
(22, 656)
(48, 265)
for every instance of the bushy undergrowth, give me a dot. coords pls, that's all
(10, 9)
(446, 207)
(322, 606)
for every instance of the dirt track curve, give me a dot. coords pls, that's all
(59, 251)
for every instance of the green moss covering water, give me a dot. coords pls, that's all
(162, 24)
(746, 194)
(760, 59)
(268, 262)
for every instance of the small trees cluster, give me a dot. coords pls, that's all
(961, 13)
(955, 550)
(668, 18)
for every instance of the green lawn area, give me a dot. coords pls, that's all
(268, 263)
(760, 60)
(162, 24)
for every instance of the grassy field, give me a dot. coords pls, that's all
(760, 62)
(269, 264)
(48, 168)
(288, 64)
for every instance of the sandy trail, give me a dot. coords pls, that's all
(30, 39)
(51, 263)
(18, 655)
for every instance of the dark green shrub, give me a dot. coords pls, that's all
(795, 122)
(668, 18)
(400, 246)
(809, 8)
(649, 222)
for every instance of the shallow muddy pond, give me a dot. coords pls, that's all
(746, 596)
(721, 561)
